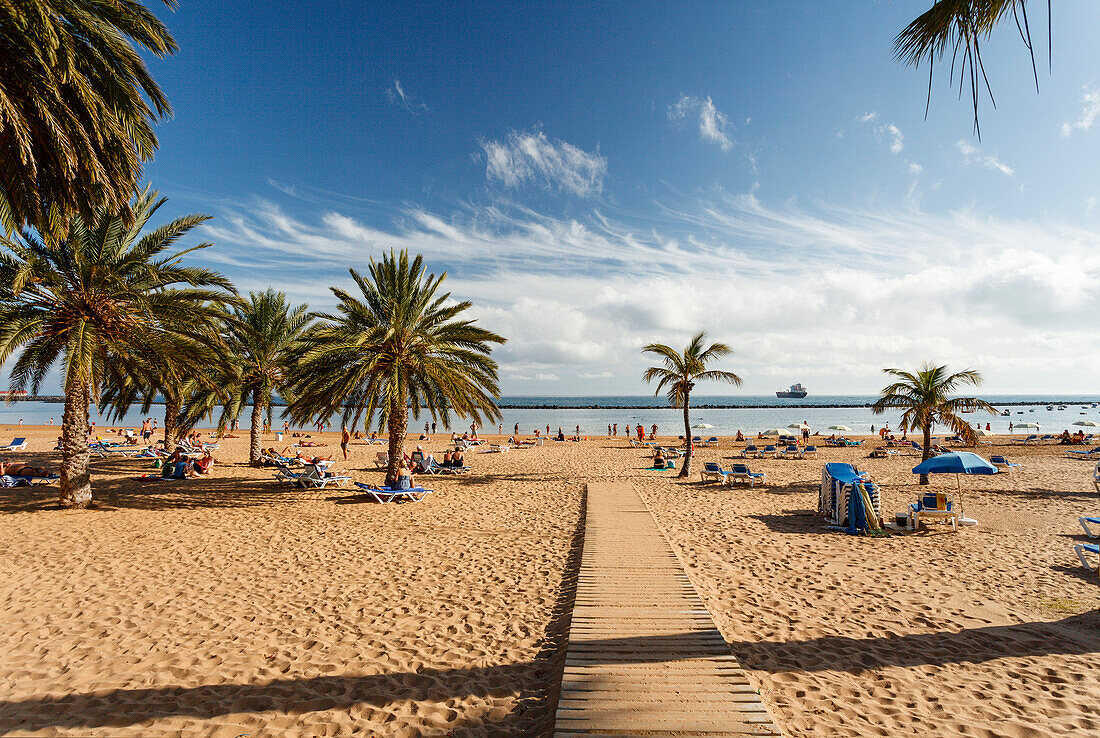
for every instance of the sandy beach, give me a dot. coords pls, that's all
(233, 605)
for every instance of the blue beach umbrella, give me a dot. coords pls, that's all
(960, 462)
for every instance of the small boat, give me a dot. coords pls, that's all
(1005, 413)
(1050, 407)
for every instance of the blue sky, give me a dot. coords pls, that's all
(598, 177)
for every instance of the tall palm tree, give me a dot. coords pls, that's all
(961, 26)
(102, 298)
(77, 107)
(681, 371)
(399, 343)
(925, 398)
(260, 339)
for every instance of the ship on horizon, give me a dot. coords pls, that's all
(796, 391)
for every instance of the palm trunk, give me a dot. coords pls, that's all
(76, 482)
(927, 450)
(171, 423)
(686, 470)
(399, 424)
(255, 446)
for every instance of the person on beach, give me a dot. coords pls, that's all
(561, 435)
(433, 427)
(473, 431)
(653, 432)
(203, 465)
(22, 469)
(146, 429)
(578, 430)
(740, 436)
(658, 459)
(515, 430)
(458, 459)
(641, 432)
(446, 459)
(615, 430)
(609, 429)
(404, 477)
(345, 439)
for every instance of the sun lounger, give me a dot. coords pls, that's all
(750, 451)
(382, 495)
(1081, 549)
(792, 452)
(809, 451)
(770, 450)
(1088, 531)
(113, 450)
(382, 459)
(712, 471)
(881, 452)
(1002, 462)
(929, 507)
(436, 468)
(17, 444)
(742, 473)
(314, 476)
(496, 448)
(1092, 453)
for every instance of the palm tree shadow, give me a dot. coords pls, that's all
(793, 521)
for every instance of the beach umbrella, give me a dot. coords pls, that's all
(1026, 425)
(774, 432)
(702, 426)
(799, 426)
(982, 432)
(1088, 423)
(843, 428)
(959, 462)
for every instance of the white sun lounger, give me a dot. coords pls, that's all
(17, 444)
(1081, 549)
(382, 495)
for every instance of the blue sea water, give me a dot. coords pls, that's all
(753, 414)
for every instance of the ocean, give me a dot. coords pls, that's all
(727, 414)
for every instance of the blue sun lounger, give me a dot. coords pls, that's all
(17, 444)
(382, 495)
(1088, 531)
(712, 470)
(742, 473)
(1081, 549)
(1002, 462)
(750, 450)
(1092, 453)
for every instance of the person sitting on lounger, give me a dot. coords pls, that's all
(457, 460)
(404, 477)
(658, 460)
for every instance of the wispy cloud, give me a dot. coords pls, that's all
(714, 126)
(889, 131)
(577, 297)
(914, 168)
(532, 156)
(1090, 111)
(973, 155)
(398, 95)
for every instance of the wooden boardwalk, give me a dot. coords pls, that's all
(644, 657)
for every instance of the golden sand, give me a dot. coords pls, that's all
(232, 605)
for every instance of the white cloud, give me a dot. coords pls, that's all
(1090, 111)
(915, 168)
(973, 155)
(713, 124)
(399, 96)
(888, 130)
(577, 298)
(1090, 204)
(867, 117)
(527, 156)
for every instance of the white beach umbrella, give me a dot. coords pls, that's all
(982, 432)
(774, 432)
(702, 426)
(1088, 423)
(1026, 425)
(799, 426)
(843, 428)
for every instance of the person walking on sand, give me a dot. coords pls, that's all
(425, 427)
(433, 427)
(641, 432)
(146, 430)
(345, 439)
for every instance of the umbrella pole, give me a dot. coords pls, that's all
(958, 489)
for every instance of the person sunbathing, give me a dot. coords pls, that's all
(304, 457)
(21, 469)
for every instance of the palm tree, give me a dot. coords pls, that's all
(400, 342)
(260, 339)
(77, 107)
(960, 26)
(102, 298)
(680, 372)
(925, 398)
